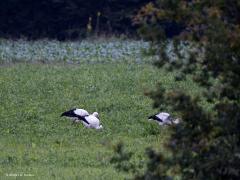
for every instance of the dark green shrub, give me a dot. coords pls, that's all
(207, 144)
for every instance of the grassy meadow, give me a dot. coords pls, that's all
(36, 141)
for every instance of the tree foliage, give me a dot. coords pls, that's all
(207, 144)
(65, 19)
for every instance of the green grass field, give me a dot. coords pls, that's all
(35, 140)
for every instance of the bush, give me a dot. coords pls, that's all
(207, 144)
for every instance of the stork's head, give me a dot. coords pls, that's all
(96, 114)
(99, 127)
(176, 121)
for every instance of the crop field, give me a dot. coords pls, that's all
(95, 51)
(36, 141)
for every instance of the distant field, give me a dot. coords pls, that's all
(85, 51)
(41, 79)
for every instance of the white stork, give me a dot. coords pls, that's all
(164, 118)
(89, 121)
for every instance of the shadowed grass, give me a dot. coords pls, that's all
(34, 139)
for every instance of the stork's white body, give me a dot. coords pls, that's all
(93, 121)
(81, 112)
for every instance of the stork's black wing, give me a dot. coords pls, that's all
(83, 119)
(154, 117)
(69, 113)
